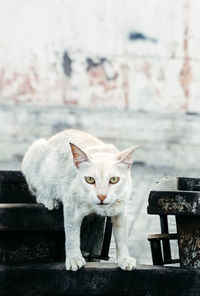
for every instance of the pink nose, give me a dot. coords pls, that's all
(101, 197)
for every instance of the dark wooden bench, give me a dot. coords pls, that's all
(31, 233)
(180, 197)
(50, 279)
(32, 254)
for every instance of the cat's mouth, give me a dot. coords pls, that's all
(102, 204)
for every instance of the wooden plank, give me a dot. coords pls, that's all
(163, 236)
(165, 243)
(174, 203)
(156, 252)
(97, 279)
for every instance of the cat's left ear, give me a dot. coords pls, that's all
(78, 155)
(126, 157)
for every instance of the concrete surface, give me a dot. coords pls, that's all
(165, 139)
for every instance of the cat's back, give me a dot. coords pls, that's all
(77, 137)
(45, 153)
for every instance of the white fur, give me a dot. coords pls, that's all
(55, 174)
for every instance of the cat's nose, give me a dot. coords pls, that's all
(101, 197)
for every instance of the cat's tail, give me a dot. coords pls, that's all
(32, 160)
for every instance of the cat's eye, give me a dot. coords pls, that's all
(90, 180)
(114, 180)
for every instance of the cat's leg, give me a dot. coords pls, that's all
(72, 224)
(121, 239)
(50, 204)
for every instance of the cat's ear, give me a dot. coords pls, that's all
(78, 155)
(126, 157)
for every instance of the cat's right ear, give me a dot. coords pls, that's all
(126, 157)
(78, 155)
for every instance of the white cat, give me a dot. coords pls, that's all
(87, 176)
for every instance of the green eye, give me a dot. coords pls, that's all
(90, 180)
(114, 180)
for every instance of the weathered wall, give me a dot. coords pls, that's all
(127, 71)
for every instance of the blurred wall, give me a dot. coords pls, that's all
(126, 71)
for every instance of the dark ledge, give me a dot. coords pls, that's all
(97, 279)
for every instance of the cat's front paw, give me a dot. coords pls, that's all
(74, 263)
(50, 204)
(128, 263)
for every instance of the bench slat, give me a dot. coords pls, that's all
(170, 236)
(32, 217)
(14, 189)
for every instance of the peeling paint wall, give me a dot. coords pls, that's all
(132, 56)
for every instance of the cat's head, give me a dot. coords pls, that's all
(105, 176)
